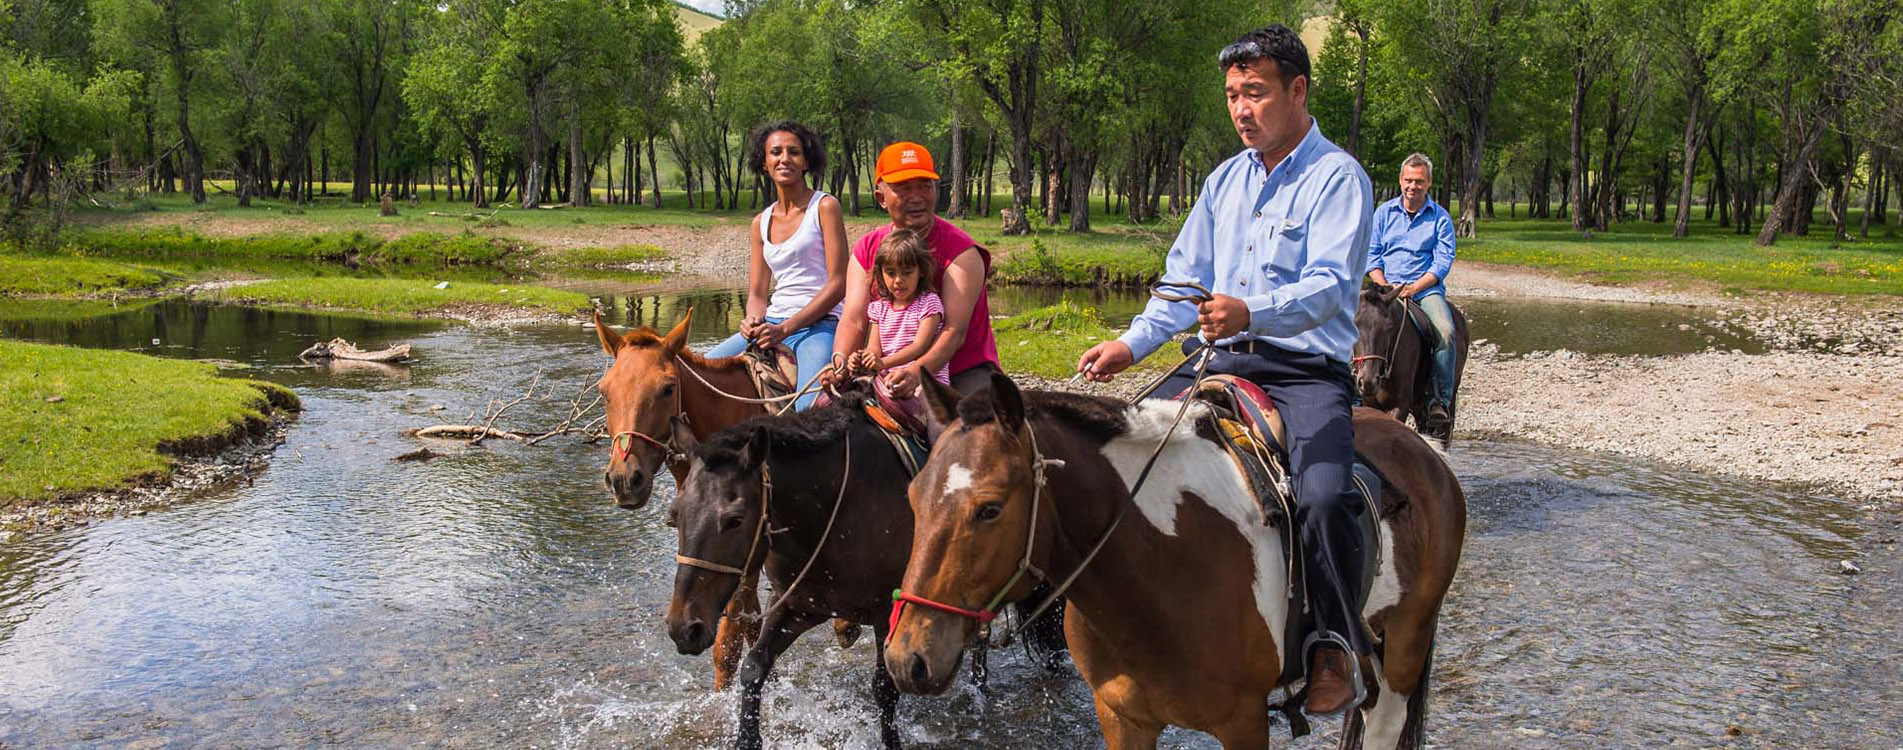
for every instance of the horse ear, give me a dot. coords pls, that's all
(754, 453)
(676, 339)
(941, 407)
(1006, 402)
(610, 341)
(684, 440)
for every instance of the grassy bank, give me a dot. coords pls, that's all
(1048, 340)
(34, 275)
(173, 243)
(407, 297)
(1645, 252)
(83, 419)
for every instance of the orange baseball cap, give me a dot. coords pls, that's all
(903, 161)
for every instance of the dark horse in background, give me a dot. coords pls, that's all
(1394, 358)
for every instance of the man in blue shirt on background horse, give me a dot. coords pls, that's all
(1413, 247)
(1280, 237)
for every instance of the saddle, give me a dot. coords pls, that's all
(1251, 430)
(900, 428)
(774, 371)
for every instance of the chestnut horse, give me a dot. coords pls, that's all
(1394, 359)
(1180, 617)
(646, 388)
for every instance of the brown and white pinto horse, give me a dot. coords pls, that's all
(1180, 619)
(645, 389)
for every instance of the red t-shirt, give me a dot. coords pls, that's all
(947, 243)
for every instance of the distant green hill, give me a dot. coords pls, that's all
(695, 22)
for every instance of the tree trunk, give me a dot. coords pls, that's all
(1082, 166)
(1582, 82)
(579, 172)
(1361, 80)
(957, 210)
(1695, 102)
(654, 171)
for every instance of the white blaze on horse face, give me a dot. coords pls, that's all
(1192, 465)
(957, 479)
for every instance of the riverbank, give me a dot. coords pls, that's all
(71, 452)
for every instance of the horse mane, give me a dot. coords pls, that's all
(798, 432)
(1100, 418)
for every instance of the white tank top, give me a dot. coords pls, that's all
(798, 264)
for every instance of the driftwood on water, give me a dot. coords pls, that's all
(584, 419)
(341, 349)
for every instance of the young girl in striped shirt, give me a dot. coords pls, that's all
(905, 313)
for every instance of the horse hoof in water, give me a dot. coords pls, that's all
(847, 632)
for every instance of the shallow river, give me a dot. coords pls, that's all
(496, 598)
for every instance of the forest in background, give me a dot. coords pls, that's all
(1757, 112)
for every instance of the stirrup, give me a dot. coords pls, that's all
(1319, 637)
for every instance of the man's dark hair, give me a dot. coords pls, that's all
(1272, 42)
(809, 143)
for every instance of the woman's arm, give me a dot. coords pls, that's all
(927, 332)
(832, 226)
(759, 284)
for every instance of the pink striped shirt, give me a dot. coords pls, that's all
(898, 326)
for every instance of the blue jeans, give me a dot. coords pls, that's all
(1441, 315)
(812, 348)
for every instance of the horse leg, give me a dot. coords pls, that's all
(739, 628)
(884, 692)
(778, 632)
(1250, 728)
(1398, 718)
(1121, 733)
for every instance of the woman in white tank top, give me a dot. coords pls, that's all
(798, 274)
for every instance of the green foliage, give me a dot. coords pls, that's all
(1126, 260)
(1048, 340)
(421, 248)
(82, 419)
(601, 257)
(403, 297)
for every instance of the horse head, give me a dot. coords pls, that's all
(1379, 321)
(643, 392)
(719, 513)
(972, 509)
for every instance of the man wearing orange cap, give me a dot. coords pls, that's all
(907, 187)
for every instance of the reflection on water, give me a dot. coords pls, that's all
(495, 597)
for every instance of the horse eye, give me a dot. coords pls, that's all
(667, 390)
(990, 511)
(729, 523)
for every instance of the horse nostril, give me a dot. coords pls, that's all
(636, 478)
(608, 478)
(694, 632)
(917, 670)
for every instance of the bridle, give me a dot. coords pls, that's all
(1394, 349)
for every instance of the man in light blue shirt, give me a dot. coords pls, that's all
(1280, 236)
(1413, 247)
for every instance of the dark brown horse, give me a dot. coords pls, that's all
(775, 492)
(1394, 358)
(1180, 618)
(648, 386)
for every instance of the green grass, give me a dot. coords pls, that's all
(404, 297)
(116, 416)
(56, 276)
(41, 309)
(1646, 252)
(600, 257)
(1048, 340)
(173, 243)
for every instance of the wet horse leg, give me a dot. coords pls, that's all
(1120, 733)
(884, 692)
(1398, 716)
(779, 630)
(739, 628)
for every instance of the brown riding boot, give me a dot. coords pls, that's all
(1329, 691)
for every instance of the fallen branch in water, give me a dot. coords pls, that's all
(584, 419)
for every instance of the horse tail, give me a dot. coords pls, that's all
(1414, 732)
(1044, 636)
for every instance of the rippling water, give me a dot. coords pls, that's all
(496, 598)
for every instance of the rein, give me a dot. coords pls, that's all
(788, 399)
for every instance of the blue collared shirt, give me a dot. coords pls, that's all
(1291, 242)
(1406, 248)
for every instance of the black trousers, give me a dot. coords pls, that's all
(1315, 397)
